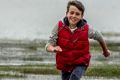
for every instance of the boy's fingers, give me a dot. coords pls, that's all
(57, 49)
(106, 54)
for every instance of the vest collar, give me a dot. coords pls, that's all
(80, 24)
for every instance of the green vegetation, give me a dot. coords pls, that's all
(111, 46)
(97, 71)
(11, 76)
(111, 34)
(104, 71)
(33, 59)
(46, 69)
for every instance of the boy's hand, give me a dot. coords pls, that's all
(107, 53)
(57, 49)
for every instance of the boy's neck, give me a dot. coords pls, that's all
(72, 26)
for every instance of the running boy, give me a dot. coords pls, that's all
(69, 40)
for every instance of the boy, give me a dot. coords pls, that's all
(69, 39)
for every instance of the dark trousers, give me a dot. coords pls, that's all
(76, 74)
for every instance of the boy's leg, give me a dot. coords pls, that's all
(65, 75)
(77, 73)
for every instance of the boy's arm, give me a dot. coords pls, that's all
(51, 44)
(106, 51)
(98, 36)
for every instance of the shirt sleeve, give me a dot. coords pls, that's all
(53, 36)
(94, 34)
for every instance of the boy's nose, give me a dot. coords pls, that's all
(74, 15)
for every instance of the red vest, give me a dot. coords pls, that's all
(75, 47)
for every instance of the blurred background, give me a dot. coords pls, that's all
(28, 19)
(25, 27)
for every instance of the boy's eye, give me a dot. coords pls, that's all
(77, 14)
(71, 12)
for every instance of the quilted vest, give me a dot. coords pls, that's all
(75, 47)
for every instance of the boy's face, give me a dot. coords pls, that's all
(74, 15)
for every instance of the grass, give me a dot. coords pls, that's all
(97, 71)
(11, 76)
(104, 71)
(111, 34)
(112, 47)
(33, 59)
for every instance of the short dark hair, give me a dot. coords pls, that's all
(77, 4)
